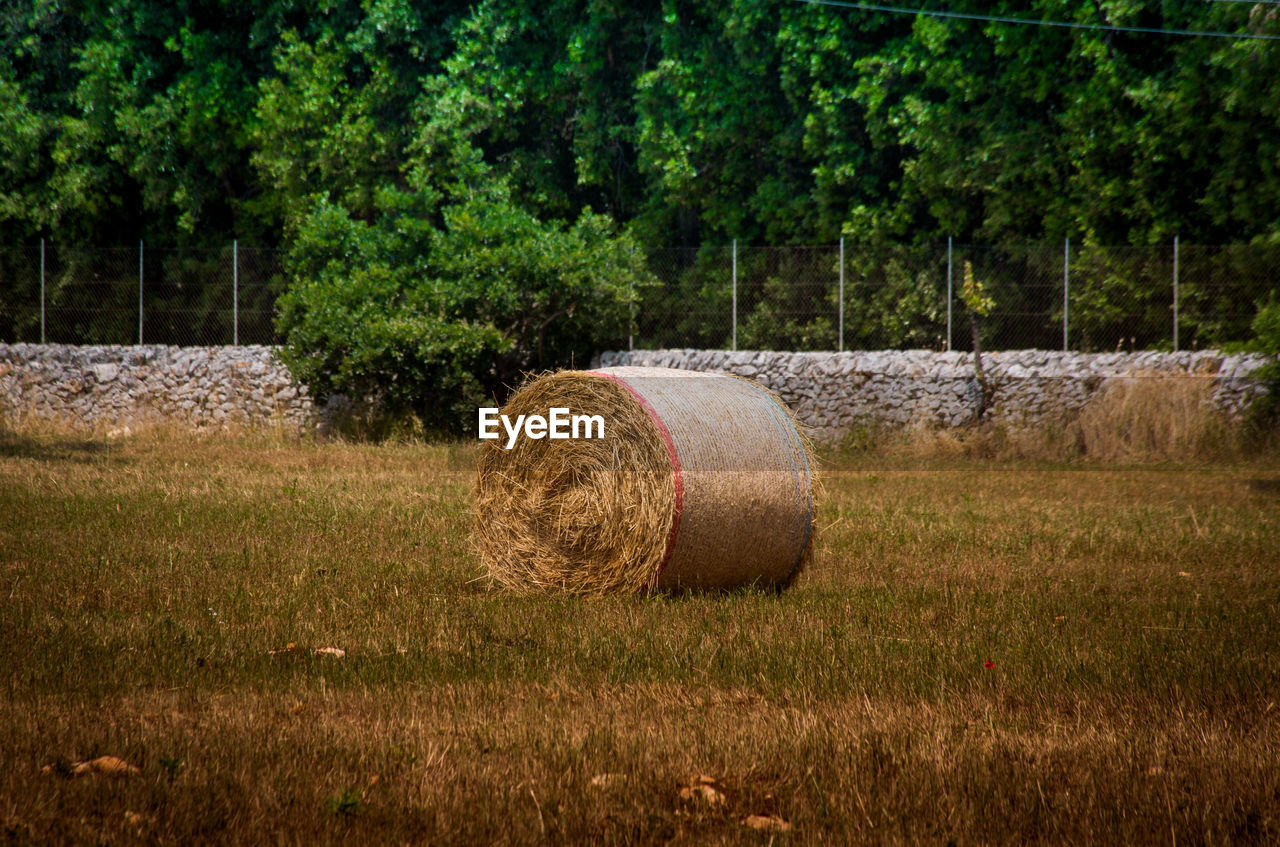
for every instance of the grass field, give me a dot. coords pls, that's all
(982, 653)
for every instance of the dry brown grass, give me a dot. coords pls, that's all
(1153, 417)
(1128, 615)
(1148, 417)
(534, 763)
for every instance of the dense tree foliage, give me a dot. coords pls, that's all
(696, 122)
(380, 141)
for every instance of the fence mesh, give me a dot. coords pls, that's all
(132, 295)
(1052, 297)
(783, 298)
(1221, 288)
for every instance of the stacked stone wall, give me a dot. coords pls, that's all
(836, 392)
(203, 387)
(115, 386)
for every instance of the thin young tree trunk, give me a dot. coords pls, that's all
(984, 387)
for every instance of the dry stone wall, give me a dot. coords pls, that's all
(213, 387)
(115, 387)
(836, 392)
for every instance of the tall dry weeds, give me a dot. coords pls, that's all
(1145, 417)
(1154, 417)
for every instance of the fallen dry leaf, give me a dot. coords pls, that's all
(335, 652)
(286, 649)
(772, 823)
(104, 766)
(700, 788)
(702, 793)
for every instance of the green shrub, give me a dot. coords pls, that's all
(1264, 413)
(431, 322)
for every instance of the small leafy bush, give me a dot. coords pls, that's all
(346, 803)
(430, 323)
(1264, 413)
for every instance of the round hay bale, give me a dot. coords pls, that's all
(701, 481)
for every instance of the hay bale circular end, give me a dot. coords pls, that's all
(700, 481)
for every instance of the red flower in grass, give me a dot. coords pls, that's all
(989, 665)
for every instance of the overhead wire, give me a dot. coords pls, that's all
(934, 13)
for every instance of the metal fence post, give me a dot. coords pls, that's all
(950, 296)
(1175, 294)
(842, 294)
(735, 294)
(1066, 288)
(42, 291)
(235, 292)
(140, 253)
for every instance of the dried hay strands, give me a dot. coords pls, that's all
(701, 481)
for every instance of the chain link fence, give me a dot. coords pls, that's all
(77, 295)
(836, 297)
(1049, 297)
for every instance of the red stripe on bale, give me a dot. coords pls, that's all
(676, 474)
